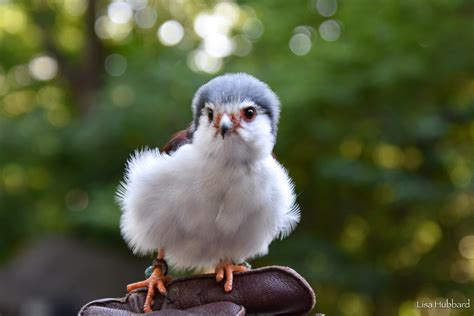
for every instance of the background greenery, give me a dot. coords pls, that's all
(377, 128)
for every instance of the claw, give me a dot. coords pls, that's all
(137, 285)
(156, 281)
(161, 285)
(219, 274)
(228, 269)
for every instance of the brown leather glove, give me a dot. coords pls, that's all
(269, 290)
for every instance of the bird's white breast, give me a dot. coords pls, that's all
(204, 209)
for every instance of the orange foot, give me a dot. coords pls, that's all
(157, 280)
(227, 269)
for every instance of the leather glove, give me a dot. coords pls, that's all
(269, 290)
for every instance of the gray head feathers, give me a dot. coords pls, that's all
(237, 88)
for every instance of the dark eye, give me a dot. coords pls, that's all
(210, 115)
(249, 113)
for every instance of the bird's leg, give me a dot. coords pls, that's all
(226, 269)
(157, 280)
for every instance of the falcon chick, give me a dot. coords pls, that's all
(215, 196)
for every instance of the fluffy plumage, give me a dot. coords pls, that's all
(214, 198)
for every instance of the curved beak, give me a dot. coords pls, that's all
(225, 125)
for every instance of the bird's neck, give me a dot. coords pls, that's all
(232, 156)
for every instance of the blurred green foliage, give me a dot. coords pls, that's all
(377, 127)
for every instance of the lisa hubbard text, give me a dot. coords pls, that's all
(447, 303)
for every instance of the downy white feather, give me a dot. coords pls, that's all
(213, 199)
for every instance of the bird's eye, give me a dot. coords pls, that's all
(249, 113)
(210, 115)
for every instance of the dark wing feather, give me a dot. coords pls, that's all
(179, 139)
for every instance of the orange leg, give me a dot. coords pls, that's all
(157, 280)
(227, 269)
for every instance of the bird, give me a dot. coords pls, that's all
(215, 195)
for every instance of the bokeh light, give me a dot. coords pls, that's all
(171, 33)
(70, 38)
(460, 173)
(466, 247)
(253, 28)
(43, 67)
(49, 95)
(19, 102)
(115, 65)
(206, 24)
(300, 44)
(75, 7)
(137, 4)
(146, 18)
(107, 29)
(216, 28)
(330, 30)
(326, 8)
(427, 236)
(218, 45)
(13, 19)
(20, 75)
(120, 12)
(201, 61)
(388, 156)
(229, 10)
(242, 45)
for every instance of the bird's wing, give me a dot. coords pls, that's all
(179, 139)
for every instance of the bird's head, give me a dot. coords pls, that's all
(236, 115)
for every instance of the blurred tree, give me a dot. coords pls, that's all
(379, 95)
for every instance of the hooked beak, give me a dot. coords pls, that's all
(225, 125)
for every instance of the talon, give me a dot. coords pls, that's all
(228, 269)
(219, 274)
(228, 285)
(161, 285)
(157, 280)
(137, 285)
(147, 309)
